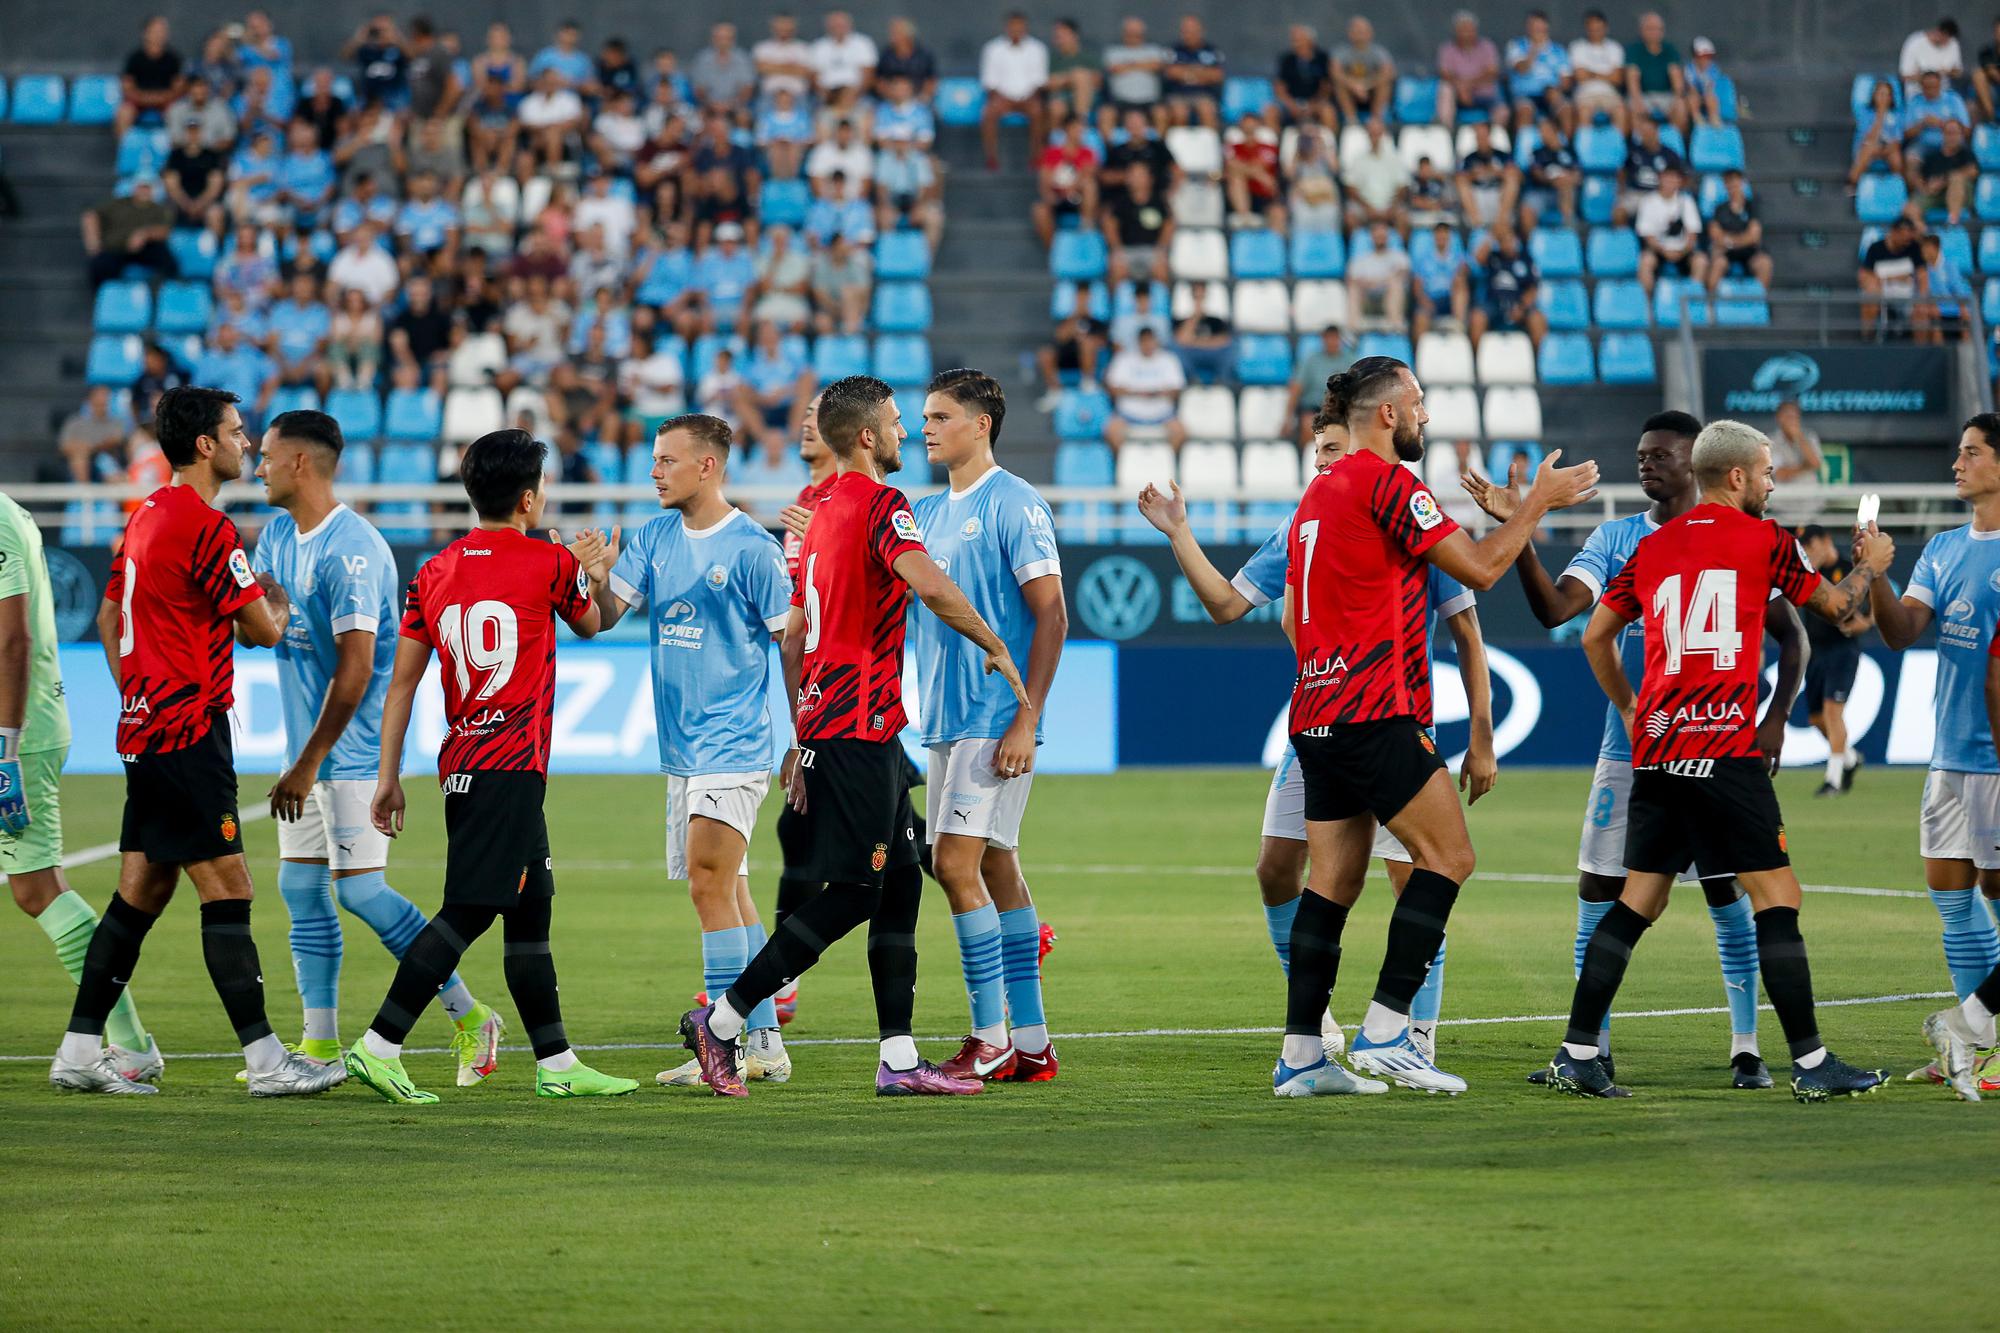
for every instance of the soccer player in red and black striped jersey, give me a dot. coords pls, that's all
(1356, 610)
(179, 584)
(1699, 782)
(487, 605)
(843, 652)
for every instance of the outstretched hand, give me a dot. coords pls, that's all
(1562, 487)
(1165, 510)
(1499, 502)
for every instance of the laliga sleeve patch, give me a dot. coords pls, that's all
(1424, 509)
(582, 583)
(905, 524)
(239, 568)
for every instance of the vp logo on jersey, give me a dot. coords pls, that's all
(239, 568)
(1424, 509)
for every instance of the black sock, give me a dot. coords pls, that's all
(1315, 962)
(231, 956)
(531, 975)
(924, 861)
(1988, 990)
(1720, 891)
(795, 847)
(892, 950)
(800, 939)
(108, 963)
(1604, 960)
(1781, 957)
(431, 959)
(1416, 928)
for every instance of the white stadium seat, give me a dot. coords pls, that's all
(1208, 413)
(471, 413)
(1196, 149)
(1417, 142)
(1271, 466)
(1260, 413)
(1444, 358)
(1317, 303)
(526, 401)
(1511, 414)
(1468, 138)
(1199, 253)
(1506, 358)
(472, 363)
(1353, 142)
(1454, 413)
(1216, 301)
(1208, 468)
(1143, 462)
(1263, 306)
(535, 197)
(1197, 203)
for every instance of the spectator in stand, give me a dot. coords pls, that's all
(427, 225)
(1138, 228)
(1377, 181)
(93, 437)
(435, 91)
(654, 386)
(1441, 280)
(723, 77)
(1986, 74)
(843, 63)
(364, 265)
(121, 232)
(1736, 236)
(1599, 66)
(380, 67)
(842, 284)
(194, 177)
(306, 179)
(533, 326)
(784, 61)
(1192, 80)
(551, 117)
(1468, 69)
(899, 115)
(1309, 379)
(1145, 383)
(1669, 227)
(263, 48)
(1655, 88)
(593, 268)
(1539, 74)
(906, 58)
(1927, 113)
(1879, 135)
(906, 191)
(716, 393)
(1074, 348)
(1489, 184)
(218, 67)
(617, 133)
(838, 209)
(250, 321)
(1951, 292)
(323, 109)
(365, 203)
(611, 212)
(723, 175)
(251, 106)
(354, 342)
(1943, 177)
(1132, 76)
(616, 72)
(1701, 81)
(153, 79)
(1313, 203)
(1141, 145)
(1932, 50)
(1143, 314)
(1014, 71)
(1075, 73)
(371, 143)
(1796, 455)
(231, 364)
(1251, 178)
(500, 63)
(1378, 281)
(246, 270)
(158, 372)
(566, 58)
(1432, 199)
(206, 115)
(1553, 179)
(1065, 181)
(299, 326)
(781, 297)
(769, 464)
(1511, 283)
(1304, 86)
(1364, 75)
(777, 384)
(845, 154)
(1204, 341)
(723, 273)
(1646, 160)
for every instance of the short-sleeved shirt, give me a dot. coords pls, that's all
(306, 175)
(1479, 64)
(488, 603)
(299, 326)
(809, 497)
(714, 597)
(1551, 159)
(1604, 553)
(178, 578)
(1643, 165)
(1958, 578)
(919, 66)
(1136, 87)
(841, 63)
(992, 539)
(1138, 223)
(1675, 222)
(1701, 583)
(154, 74)
(1360, 64)
(1655, 68)
(24, 572)
(1547, 70)
(341, 579)
(1436, 272)
(1947, 105)
(1895, 270)
(192, 170)
(1206, 56)
(1355, 568)
(1508, 277)
(1938, 163)
(1595, 62)
(1305, 77)
(1734, 220)
(1136, 379)
(242, 372)
(425, 225)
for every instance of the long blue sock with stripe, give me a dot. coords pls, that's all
(724, 955)
(1278, 920)
(315, 939)
(1971, 943)
(1021, 959)
(979, 954)
(1588, 914)
(1736, 946)
(1426, 1004)
(765, 1015)
(396, 921)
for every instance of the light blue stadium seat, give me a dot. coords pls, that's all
(902, 307)
(1241, 94)
(1097, 300)
(1955, 244)
(94, 99)
(1500, 457)
(1256, 253)
(783, 203)
(1667, 300)
(412, 414)
(1318, 254)
(184, 306)
(634, 467)
(1741, 303)
(358, 411)
(38, 99)
(607, 461)
(1416, 100)
(902, 254)
(838, 355)
(1077, 256)
(1565, 303)
(292, 398)
(1613, 253)
(1600, 149)
(114, 358)
(701, 359)
(902, 358)
(91, 523)
(1880, 198)
(122, 307)
(1670, 137)
(1986, 146)
(404, 522)
(1626, 358)
(910, 403)
(1557, 253)
(142, 151)
(1725, 97)
(1619, 303)
(1566, 358)
(1597, 200)
(1263, 358)
(1989, 302)
(1986, 198)
(1081, 414)
(1861, 94)
(959, 101)
(1085, 463)
(357, 461)
(1384, 344)
(1716, 148)
(194, 251)
(1125, 297)
(1989, 250)
(1359, 242)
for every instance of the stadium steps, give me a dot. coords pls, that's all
(1599, 421)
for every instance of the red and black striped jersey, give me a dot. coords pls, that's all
(809, 498)
(488, 604)
(178, 578)
(852, 685)
(1361, 594)
(1702, 582)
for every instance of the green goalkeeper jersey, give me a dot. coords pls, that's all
(24, 572)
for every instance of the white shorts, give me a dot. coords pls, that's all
(728, 798)
(1285, 812)
(963, 795)
(334, 827)
(1602, 848)
(1961, 818)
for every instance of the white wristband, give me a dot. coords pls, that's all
(10, 744)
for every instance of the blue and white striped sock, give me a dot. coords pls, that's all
(1021, 960)
(1971, 943)
(1588, 914)
(724, 955)
(1429, 999)
(315, 940)
(765, 1015)
(397, 921)
(1278, 920)
(1736, 946)
(979, 954)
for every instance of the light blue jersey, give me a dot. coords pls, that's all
(715, 598)
(990, 538)
(1958, 577)
(340, 577)
(1604, 553)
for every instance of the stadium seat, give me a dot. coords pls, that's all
(471, 413)
(1260, 412)
(910, 403)
(1668, 304)
(635, 467)
(1600, 149)
(1198, 255)
(1218, 301)
(1377, 343)
(1716, 148)
(412, 414)
(114, 358)
(1415, 101)
(1565, 304)
(1257, 252)
(1467, 139)
(1506, 358)
(1271, 466)
(142, 151)
(183, 306)
(1613, 253)
(1986, 199)
(1141, 462)
(1880, 198)
(1208, 468)
(1319, 305)
(1557, 252)
(1597, 200)
(1513, 413)
(91, 523)
(1241, 95)
(37, 99)
(357, 462)
(1353, 141)
(1989, 249)
(194, 251)
(358, 411)
(1209, 413)
(1262, 307)
(292, 398)
(902, 307)
(903, 254)
(701, 358)
(1500, 456)
(1318, 254)
(1619, 304)
(960, 101)
(1956, 245)
(1084, 463)
(94, 99)
(1197, 203)
(1861, 94)
(1263, 358)
(1454, 410)
(1444, 358)
(476, 360)
(1725, 97)
(406, 464)
(1566, 359)
(783, 202)
(1081, 413)
(122, 307)
(902, 358)
(1626, 358)
(1417, 142)
(1062, 300)
(1986, 146)
(528, 409)
(838, 355)
(1740, 303)
(1077, 256)
(1196, 150)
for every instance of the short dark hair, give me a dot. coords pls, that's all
(711, 431)
(1598, 14)
(307, 426)
(849, 406)
(185, 414)
(1673, 423)
(1813, 532)
(975, 390)
(421, 26)
(498, 469)
(1988, 426)
(1360, 385)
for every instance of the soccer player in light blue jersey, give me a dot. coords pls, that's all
(1956, 586)
(1666, 474)
(715, 588)
(995, 537)
(333, 675)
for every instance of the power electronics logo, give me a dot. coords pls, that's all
(1795, 377)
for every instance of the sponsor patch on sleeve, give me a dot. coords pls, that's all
(239, 568)
(1424, 509)
(905, 524)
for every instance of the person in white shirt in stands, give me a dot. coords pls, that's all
(1377, 181)
(1669, 225)
(1599, 63)
(551, 115)
(614, 214)
(1145, 384)
(1378, 281)
(844, 62)
(1931, 50)
(845, 152)
(656, 387)
(1014, 70)
(364, 266)
(784, 63)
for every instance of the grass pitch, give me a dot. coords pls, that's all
(1157, 1182)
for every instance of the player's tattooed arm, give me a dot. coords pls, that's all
(1167, 511)
(1600, 647)
(1874, 552)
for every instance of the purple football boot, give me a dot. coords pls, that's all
(926, 1080)
(716, 1057)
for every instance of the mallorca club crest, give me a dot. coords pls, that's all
(228, 828)
(880, 857)
(1424, 739)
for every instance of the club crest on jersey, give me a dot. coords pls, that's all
(239, 568)
(1424, 509)
(905, 524)
(228, 829)
(879, 857)
(970, 530)
(875, 722)
(1430, 746)
(717, 576)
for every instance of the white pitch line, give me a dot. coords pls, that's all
(1136, 1034)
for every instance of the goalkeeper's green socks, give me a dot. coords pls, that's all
(69, 924)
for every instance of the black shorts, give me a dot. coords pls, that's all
(180, 805)
(1682, 266)
(1724, 811)
(1830, 677)
(1364, 767)
(858, 809)
(496, 839)
(1739, 257)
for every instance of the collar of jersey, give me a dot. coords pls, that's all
(700, 534)
(984, 477)
(303, 537)
(1973, 534)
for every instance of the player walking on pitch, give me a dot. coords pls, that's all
(487, 604)
(179, 581)
(333, 676)
(1836, 656)
(1698, 780)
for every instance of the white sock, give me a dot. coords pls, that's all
(1851, 757)
(265, 1053)
(993, 1036)
(81, 1048)
(1744, 1043)
(1812, 1059)
(561, 1060)
(767, 1043)
(1423, 1029)
(1382, 1023)
(381, 1047)
(724, 1021)
(1577, 1052)
(1977, 1017)
(1034, 1038)
(899, 1053)
(1836, 768)
(457, 1001)
(1301, 1051)
(322, 1025)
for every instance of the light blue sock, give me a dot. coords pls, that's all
(1429, 999)
(395, 920)
(1021, 956)
(985, 975)
(1278, 920)
(1588, 914)
(308, 894)
(1993, 904)
(1971, 944)
(765, 1015)
(1736, 946)
(724, 955)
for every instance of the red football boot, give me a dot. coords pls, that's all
(980, 1060)
(787, 1001)
(1048, 941)
(1037, 1068)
